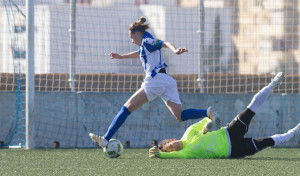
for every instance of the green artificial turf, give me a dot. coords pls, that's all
(272, 161)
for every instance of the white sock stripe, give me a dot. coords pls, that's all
(254, 144)
(242, 123)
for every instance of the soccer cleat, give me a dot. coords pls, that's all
(283, 138)
(211, 113)
(99, 140)
(214, 116)
(278, 78)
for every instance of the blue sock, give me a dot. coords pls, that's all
(193, 114)
(117, 122)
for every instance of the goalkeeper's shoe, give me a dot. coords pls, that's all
(214, 116)
(278, 78)
(99, 140)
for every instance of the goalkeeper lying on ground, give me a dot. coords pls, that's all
(227, 142)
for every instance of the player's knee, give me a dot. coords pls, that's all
(178, 118)
(130, 107)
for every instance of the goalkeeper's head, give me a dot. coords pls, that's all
(170, 145)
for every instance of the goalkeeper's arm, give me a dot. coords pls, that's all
(195, 127)
(154, 152)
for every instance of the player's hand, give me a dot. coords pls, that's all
(153, 152)
(180, 50)
(207, 126)
(114, 56)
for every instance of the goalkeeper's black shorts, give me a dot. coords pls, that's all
(240, 146)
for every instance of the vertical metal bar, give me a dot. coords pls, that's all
(72, 54)
(30, 74)
(201, 48)
(72, 69)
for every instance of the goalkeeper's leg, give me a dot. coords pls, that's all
(249, 146)
(263, 94)
(238, 127)
(246, 116)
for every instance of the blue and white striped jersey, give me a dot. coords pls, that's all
(150, 55)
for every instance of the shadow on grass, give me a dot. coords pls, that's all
(273, 159)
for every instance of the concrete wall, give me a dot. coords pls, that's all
(68, 117)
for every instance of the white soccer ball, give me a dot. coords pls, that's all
(114, 148)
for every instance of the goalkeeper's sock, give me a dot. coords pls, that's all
(193, 114)
(260, 97)
(117, 122)
(263, 94)
(282, 138)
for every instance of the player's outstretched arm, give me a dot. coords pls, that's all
(131, 55)
(155, 153)
(174, 49)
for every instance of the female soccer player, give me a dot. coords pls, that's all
(156, 83)
(227, 142)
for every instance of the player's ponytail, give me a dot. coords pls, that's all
(139, 25)
(142, 20)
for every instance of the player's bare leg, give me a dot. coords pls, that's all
(175, 109)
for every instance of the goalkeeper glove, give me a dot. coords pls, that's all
(207, 126)
(153, 152)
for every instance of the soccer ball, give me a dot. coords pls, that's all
(114, 148)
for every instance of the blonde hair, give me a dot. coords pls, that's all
(139, 25)
(161, 146)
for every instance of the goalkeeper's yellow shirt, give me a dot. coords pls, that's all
(214, 144)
